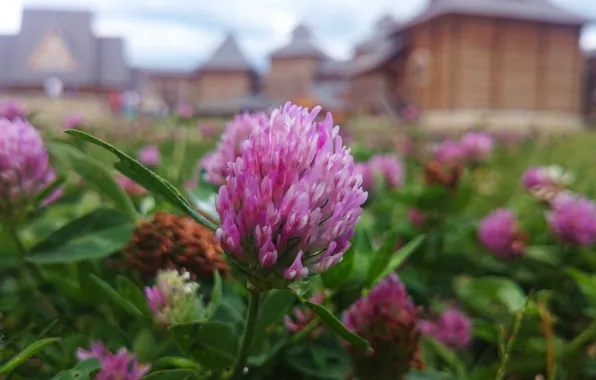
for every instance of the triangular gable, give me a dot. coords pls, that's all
(52, 54)
(227, 56)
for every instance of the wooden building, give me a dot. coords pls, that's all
(61, 44)
(590, 88)
(226, 75)
(373, 67)
(172, 87)
(301, 72)
(293, 68)
(503, 62)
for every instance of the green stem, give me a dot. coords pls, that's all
(506, 350)
(294, 340)
(249, 332)
(587, 336)
(30, 273)
(17, 240)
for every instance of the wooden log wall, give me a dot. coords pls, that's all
(291, 77)
(489, 63)
(589, 99)
(224, 86)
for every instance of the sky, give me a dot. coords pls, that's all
(180, 34)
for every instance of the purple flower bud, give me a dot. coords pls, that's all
(453, 328)
(364, 169)
(545, 177)
(500, 234)
(24, 169)
(230, 147)
(301, 317)
(156, 298)
(122, 365)
(206, 130)
(448, 151)
(130, 187)
(477, 146)
(573, 220)
(389, 168)
(411, 113)
(12, 110)
(174, 299)
(185, 111)
(150, 156)
(74, 121)
(417, 217)
(291, 200)
(531, 178)
(388, 319)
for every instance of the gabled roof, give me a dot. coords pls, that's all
(100, 61)
(112, 69)
(332, 69)
(227, 57)
(533, 10)
(372, 61)
(5, 47)
(381, 31)
(300, 45)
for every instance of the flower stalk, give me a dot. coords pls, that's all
(254, 301)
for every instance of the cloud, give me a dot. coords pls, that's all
(10, 16)
(588, 40)
(167, 42)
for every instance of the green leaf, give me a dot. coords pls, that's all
(212, 344)
(172, 374)
(381, 258)
(26, 354)
(48, 191)
(82, 371)
(274, 306)
(431, 197)
(363, 250)
(448, 357)
(340, 273)
(95, 174)
(399, 258)
(177, 362)
(585, 281)
(543, 254)
(134, 295)
(216, 295)
(203, 196)
(146, 178)
(482, 293)
(429, 375)
(335, 324)
(111, 295)
(320, 362)
(95, 235)
(144, 345)
(87, 287)
(65, 285)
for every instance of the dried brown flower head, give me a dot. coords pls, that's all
(443, 173)
(174, 242)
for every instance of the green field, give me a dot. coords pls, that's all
(74, 272)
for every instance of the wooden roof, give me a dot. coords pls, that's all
(300, 45)
(533, 10)
(227, 57)
(99, 61)
(381, 31)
